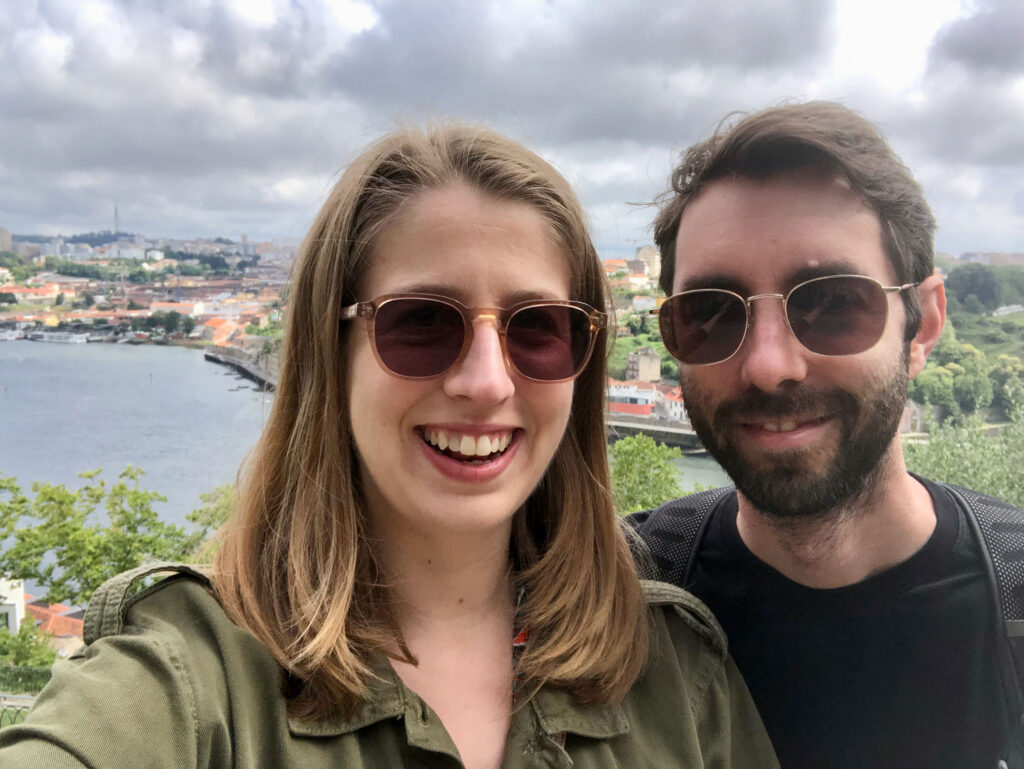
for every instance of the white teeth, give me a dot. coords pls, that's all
(468, 445)
(779, 427)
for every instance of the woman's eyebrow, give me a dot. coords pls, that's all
(460, 294)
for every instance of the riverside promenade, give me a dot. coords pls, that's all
(244, 364)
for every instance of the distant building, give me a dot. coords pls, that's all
(638, 280)
(643, 303)
(992, 258)
(651, 256)
(613, 266)
(669, 404)
(5, 239)
(12, 604)
(644, 365)
(631, 397)
(64, 623)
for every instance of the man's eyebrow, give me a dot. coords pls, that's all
(823, 269)
(714, 280)
(816, 269)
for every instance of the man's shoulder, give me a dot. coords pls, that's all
(676, 511)
(979, 499)
(671, 531)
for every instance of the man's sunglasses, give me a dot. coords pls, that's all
(418, 336)
(831, 315)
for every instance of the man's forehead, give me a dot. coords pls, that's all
(765, 235)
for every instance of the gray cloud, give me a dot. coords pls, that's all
(200, 120)
(990, 42)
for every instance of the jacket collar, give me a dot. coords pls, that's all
(557, 711)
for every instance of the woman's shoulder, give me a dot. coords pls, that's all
(163, 672)
(148, 597)
(172, 609)
(682, 616)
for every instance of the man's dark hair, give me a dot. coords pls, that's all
(821, 136)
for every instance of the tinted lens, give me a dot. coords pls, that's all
(418, 337)
(841, 315)
(548, 342)
(703, 326)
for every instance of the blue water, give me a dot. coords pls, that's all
(68, 408)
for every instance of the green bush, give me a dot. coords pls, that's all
(23, 679)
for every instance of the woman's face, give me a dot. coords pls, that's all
(462, 244)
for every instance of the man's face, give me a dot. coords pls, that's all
(799, 433)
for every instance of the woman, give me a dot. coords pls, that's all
(425, 568)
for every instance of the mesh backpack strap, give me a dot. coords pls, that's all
(673, 531)
(999, 527)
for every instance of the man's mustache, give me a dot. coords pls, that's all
(797, 401)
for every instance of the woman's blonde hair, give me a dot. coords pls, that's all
(296, 567)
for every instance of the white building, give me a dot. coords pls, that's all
(12, 603)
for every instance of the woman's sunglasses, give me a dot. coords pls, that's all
(831, 315)
(417, 336)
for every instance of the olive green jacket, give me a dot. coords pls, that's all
(167, 680)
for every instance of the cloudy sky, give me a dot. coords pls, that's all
(218, 117)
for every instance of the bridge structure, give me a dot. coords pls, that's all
(667, 431)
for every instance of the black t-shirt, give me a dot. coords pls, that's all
(899, 670)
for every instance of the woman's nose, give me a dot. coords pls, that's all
(483, 374)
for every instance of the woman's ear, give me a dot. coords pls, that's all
(932, 293)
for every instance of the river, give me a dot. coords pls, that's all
(65, 408)
(188, 423)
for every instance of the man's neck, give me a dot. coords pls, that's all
(883, 528)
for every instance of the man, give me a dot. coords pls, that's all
(797, 250)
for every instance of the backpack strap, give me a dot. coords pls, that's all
(673, 533)
(999, 527)
(105, 614)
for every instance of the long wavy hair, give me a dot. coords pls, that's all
(296, 566)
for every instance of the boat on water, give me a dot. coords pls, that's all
(9, 335)
(64, 337)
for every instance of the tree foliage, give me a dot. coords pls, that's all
(28, 647)
(969, 455)
(643, 475)
(70, 542)
(959, 379)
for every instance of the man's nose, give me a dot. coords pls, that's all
(483, 374)
(770, 354)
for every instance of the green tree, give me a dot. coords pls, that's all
(208, 518)
(172, 321)
(977, 280)
(1007, 377)
(60, 299)
(969, 455)
(70, 542)
(934, 386)
(187, 324)
(6, 297)
(643, 475)
(28, 647)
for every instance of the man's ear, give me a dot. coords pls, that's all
(932, 293)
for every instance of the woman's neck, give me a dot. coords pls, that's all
(446, 579)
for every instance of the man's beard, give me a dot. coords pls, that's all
(786, 484)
